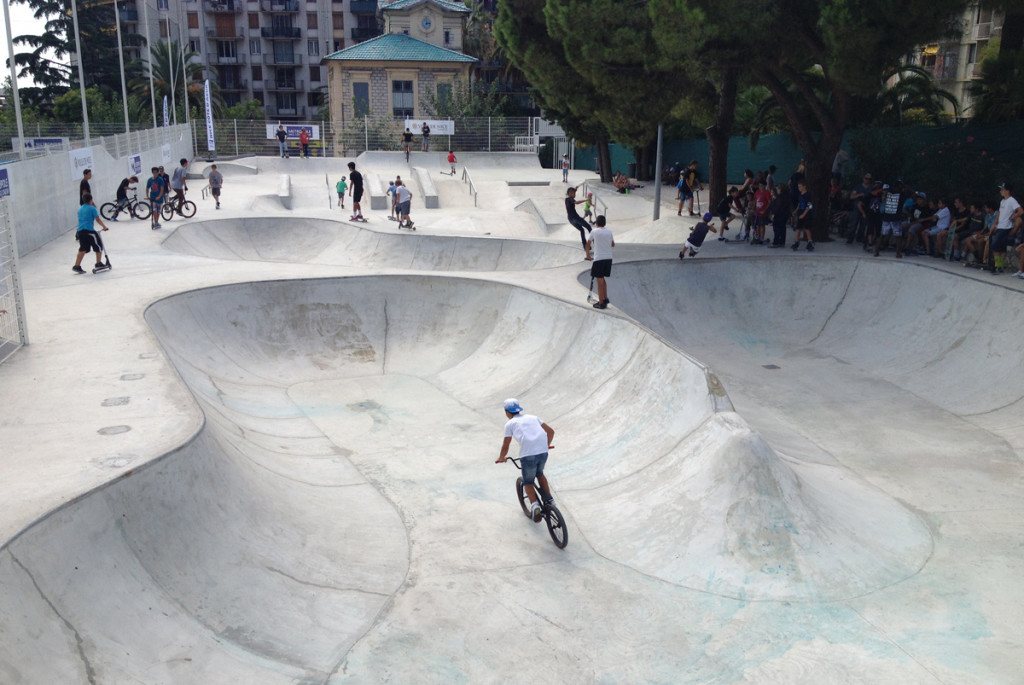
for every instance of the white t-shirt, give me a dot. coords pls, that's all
(404, 195)
(527, 431)
(601, 243)
(944, 219)
(1007, 206)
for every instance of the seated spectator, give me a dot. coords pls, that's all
(934, 237)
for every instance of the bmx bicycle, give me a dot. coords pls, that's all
(552, 516)
(187, 208)
(134, 207)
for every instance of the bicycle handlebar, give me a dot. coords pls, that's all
(515, 460)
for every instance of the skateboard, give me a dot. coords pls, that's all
(410, 227)
(358, 218)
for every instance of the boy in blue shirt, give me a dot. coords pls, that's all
(156, 189)
(88, 240)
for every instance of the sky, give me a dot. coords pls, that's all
(22, 22)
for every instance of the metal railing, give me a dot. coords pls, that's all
(281, 32)
(271, 58)
(213, 58)
(232, 33)
(600, 206)
(279, 6)
(466, 178)
(361, 34)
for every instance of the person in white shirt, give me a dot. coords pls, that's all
(943, 218)
(404, 200)
(601, 242)
(1006, 223)
(535, 439)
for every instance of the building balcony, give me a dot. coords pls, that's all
(360, 34)
(223, 6)
(279, 5)
(284, 60)
(234, 86)
(363, 7)
(212, 58)
(275, 111)
(233, 33)
(286, 85)
(129, 14)
(289, 32)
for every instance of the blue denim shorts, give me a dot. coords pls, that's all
(533, 466)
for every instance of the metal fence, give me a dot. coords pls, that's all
(13, 328)
(51, 138)
(349, 138)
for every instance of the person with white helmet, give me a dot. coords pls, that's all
(535, 439)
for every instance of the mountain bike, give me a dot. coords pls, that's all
(552, 516)
(187, 208)
(140, 209)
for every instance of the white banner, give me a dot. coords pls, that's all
(135, 165)
(293, 131)
(438, 127)
(167, 122)
(80, 161)
(209, 117)
(165, 154)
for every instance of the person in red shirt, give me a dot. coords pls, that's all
(762, 205)
(452, 160)
(304, 142)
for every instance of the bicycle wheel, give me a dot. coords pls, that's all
(556, 526)
(108, 211)
(524, 499)
(142, 210)
(188, 209)
(167, 211)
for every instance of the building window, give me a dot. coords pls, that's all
(195, 45)
(163, 29)
(286, 103)
(193, 20)
(257, 73)
(444, 92)
(361, 98)
(447, 37)
(161, 4)
(338, 20)
(313, 47)
(311, 20)
(226, 51)
(339, 45)
(405, 30)
(255, 46)
(315, 99)
(254, 20)
(402, 103)
(314, 74)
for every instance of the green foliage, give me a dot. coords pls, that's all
(166, 62)
(68, 107)
(464, 100)
(249, 110)
(999, 92)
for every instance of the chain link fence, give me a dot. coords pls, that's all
(13, 328)
(240, 138)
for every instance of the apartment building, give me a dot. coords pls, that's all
(264, 50)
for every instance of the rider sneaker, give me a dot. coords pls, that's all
(77, 269)
(537, 512)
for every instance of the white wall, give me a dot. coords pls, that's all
(44, 196)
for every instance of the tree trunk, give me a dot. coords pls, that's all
(604, 160)
(718, 137)
(644, 157)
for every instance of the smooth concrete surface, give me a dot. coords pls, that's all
(252, 453)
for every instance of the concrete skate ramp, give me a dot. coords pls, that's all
(322, 241)
(340, 515)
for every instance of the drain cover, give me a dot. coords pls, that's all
(769, 366)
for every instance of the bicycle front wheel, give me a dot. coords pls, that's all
(167, 211)
(556, 526)
(142, 210)
(524, 499)
(109, 211)
(188, 209)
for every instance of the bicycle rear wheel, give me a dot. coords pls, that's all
(188, 209)
(167, 211)
(142, 210)
(556, 526)
(108, 211)
(524, 499)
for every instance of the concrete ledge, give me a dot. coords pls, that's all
(530, 207)
(513, 184)
(374, 187)
(427, 188)
(284, 191)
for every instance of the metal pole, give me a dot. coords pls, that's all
(184, 72)
(120, 59)
(234, 123)
(170, 67)
(366, 132)
(488, 134)
(81, 75)
(14, 86)
(149, 60)
(657, 174)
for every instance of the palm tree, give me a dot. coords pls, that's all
(998, 94)
(914, 90)
(166, 64)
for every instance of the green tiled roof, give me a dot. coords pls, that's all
(448, 5)
(398, 47)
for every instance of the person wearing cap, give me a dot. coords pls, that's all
(602, 242)
(535, 438)
(892, 219)
(696, 239)
(341, 187)
(1007, 222)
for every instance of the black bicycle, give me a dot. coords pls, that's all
(552, 516)
(187, 208)
(140, 209)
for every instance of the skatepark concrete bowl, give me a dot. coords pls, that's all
(323, 241)
(344, 483)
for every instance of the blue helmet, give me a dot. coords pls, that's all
(512, 406)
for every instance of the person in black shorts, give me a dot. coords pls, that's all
(697, 236)
(578, 222)
(356, 191)
(84, 187)
(122, 192)
(601, 242)
(426, 137)
(407, 141)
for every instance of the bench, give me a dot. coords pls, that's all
(374, 187)
(427, 188)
